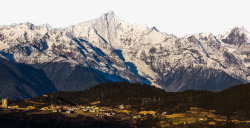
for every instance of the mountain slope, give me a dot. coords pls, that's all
(19, 81)
(237, 41)
(68, 78)
(198, 79)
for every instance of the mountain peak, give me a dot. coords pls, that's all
(236, 36)
(154, 28)
(240, 29)
(108, 18)
(110, 14)
(237, 29)
(28, 23)
(25, 25)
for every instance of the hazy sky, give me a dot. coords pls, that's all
(178, 17)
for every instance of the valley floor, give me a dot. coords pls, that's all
(117, 117)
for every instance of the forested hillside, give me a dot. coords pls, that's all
(233, 101)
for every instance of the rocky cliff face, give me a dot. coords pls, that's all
(122, 52)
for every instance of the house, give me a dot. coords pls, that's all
(101, 110)
(71, 109)
(57, 110)
(211, 123)
(109, 114)
(126, 111)
(69, 112)
(15, 107)
(60, 110)
(164, 113)
(175, 115)
(201, 119)
(121, 106)
(97, 108)
(147, 112)
(58, 107)
(31, 107)
(92, 110)
(44, 108)
(5, 103)
(136, 117)
(85, 110)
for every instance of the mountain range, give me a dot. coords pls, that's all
(39, 59)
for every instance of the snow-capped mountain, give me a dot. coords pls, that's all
(135, 53)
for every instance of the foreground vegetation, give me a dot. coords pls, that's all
(232, 103)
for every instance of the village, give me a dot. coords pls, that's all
(125, 113)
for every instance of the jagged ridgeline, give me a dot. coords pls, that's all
(107, 49)
(232, 101)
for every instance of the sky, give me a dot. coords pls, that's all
(178, 17)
